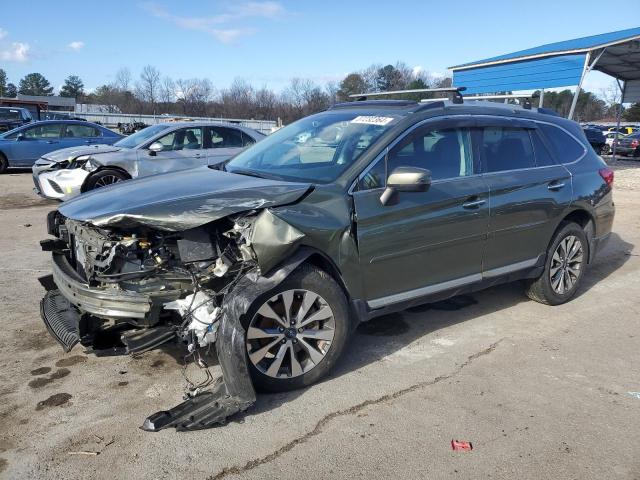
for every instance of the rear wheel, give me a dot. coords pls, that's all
(566, 261)
(296, 332)
(103, 178)
(4, 163)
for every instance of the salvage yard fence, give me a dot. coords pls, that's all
(112, 120)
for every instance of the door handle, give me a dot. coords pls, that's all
(51, 141)
(555, 185)
(473, 203)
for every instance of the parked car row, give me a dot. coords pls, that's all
(602, 138)
(70, 157)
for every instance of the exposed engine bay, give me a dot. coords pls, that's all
(126, 291)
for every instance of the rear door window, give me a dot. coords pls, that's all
(543, 157)
(507, 148)
(80, 131)
(247, 139)
(222, 137)
(564, 147)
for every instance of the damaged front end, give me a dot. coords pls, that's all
(126, 290)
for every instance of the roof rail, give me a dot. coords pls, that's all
(455, 91)
(548, 111)
(378, 103)
(526, 103)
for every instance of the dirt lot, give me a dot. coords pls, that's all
(541, 392)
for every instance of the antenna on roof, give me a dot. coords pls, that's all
(455, 91)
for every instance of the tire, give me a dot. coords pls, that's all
(295, 358)
(4, 163)
(103, 178)
(551, 287)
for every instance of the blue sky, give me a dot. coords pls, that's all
(269, 42)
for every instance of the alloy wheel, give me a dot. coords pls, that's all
(107, 180)
(566, 264)
(290, 334)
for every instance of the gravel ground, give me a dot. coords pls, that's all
(541, 392)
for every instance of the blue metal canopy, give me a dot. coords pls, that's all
(549, 72)
(566, 47)
(559, 64)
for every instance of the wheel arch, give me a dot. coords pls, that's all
(317, 258)
(585, 219)
(3, 156)
(323, 262)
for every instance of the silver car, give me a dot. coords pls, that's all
(161, 148)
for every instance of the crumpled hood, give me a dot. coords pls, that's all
(72, 152)
(180, 200)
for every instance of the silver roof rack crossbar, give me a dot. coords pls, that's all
(457, 96)
(496, 97)
(525, 103)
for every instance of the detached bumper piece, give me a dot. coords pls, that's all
(61, 319)
(232, 395)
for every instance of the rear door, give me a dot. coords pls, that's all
(528, 192)
(182, 149)
(36, 141)
(223, 143)
(74, 134)
(429, 241)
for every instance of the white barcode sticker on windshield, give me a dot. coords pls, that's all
(372, 120)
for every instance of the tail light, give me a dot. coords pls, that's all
(635, 143)
(607, 175)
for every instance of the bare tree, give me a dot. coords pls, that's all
(266, 104)
(193, 95)
(148, 87)
(123, 79)
(238, 99)
(167, 91)
(332, 88)
(611, 93)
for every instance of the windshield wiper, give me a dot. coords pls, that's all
(252, 173)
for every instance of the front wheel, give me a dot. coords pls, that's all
(296, 332)
(564, 268)
(103, 178)
(4, 163)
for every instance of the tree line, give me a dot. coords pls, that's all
(154, 93)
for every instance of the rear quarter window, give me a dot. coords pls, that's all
(563, 146)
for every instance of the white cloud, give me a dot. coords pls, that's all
(213, 25)
(77, 46)
(3, 33)
(230, 35)
(17, 52)
(417, 70)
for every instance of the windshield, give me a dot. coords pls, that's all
(9, 114)
(140, 137)
(315, 149)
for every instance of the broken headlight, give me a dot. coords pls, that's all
(84, 162)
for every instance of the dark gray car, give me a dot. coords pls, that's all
(368, 208)
(166, 147)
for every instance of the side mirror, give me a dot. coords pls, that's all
(154, 148)
(20, 137)
(406, 179)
